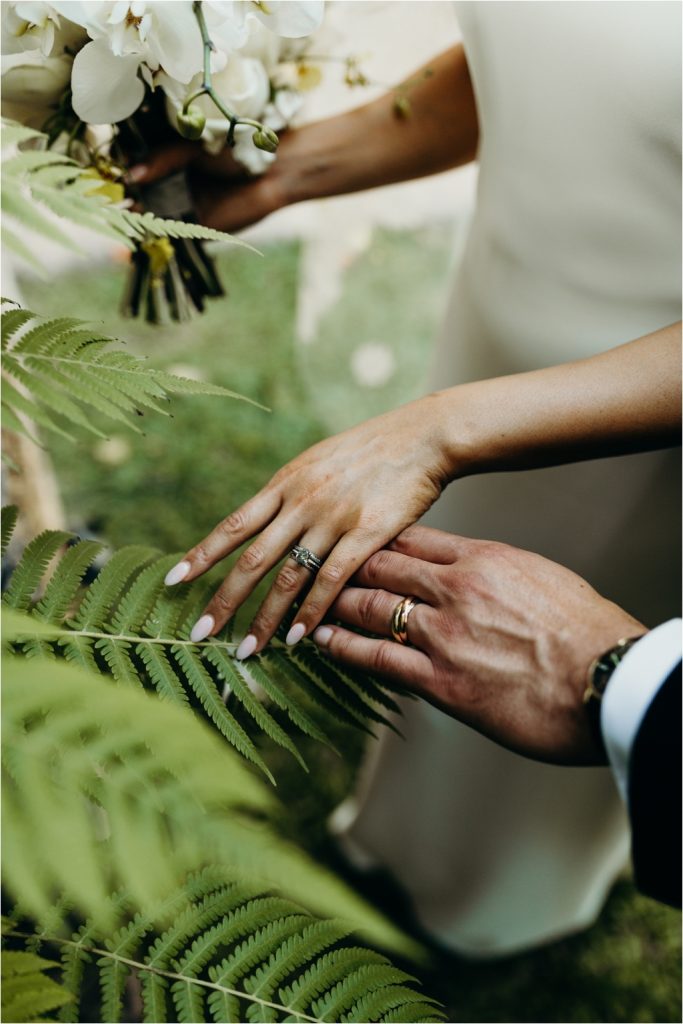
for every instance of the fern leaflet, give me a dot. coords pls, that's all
(129, 625)
(65, 367)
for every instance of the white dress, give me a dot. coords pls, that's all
(574, 247)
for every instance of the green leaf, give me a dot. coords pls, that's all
(28, 574)
(9, 521)
(66, 367)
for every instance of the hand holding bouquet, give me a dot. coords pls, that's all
(109, 81)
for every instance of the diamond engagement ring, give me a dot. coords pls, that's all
(399, 619)
(306, 558)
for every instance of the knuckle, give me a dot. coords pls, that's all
(265, 623)
(383, 660)
(234, 523)
(376, 565)
(370, 522)
(331, 575)
(199, 554)
(221, 604)
(369, 608)
(313, 609)
(288, 581)
(251, 560)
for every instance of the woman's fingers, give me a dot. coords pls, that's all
(341, 563)
(291, 580)
(372, 610)
(162, 162)
(225, 538)
(249, 569)
(385, 657)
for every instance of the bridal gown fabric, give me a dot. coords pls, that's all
(573, 248)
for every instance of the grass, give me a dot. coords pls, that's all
(171, 486)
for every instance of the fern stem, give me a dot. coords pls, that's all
(169, 641)
(57, 940)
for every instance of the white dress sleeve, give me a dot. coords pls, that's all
(631, 690)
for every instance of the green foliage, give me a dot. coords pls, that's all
(27, 991)
(129, 625)
(226, 951)
(39, 183)
(65, 368)
(105, 787)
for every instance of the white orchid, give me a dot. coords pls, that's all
(32, 86)
(130, 41)
(38, 26)
(125, 47)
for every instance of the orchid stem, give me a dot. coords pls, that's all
(207, 88)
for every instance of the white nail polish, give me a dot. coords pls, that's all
(295, 634)
(323, 635)
(202, 628)
(177, 573)
(246, 648)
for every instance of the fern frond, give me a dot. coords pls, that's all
(27, 991)
(40, 185)
(63, 366)
(241, 947)
(174, 798)
(129, 625)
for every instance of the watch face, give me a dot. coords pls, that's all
(605, 665)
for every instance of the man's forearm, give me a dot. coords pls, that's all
(624, 400)
(373, 146)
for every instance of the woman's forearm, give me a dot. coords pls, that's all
(625, 400)
(373, 146)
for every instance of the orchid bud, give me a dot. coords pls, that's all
(265, 139)
(191, 123)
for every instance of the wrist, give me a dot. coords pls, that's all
(463, 428)
(608, 639)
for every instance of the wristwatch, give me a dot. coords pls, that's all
(599, 675)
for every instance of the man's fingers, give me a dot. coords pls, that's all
(400, 574)
(163, 162)
(372, 611)
(431, 545)
(384, 657)
(230, 533)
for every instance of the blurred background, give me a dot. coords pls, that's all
(334, 322)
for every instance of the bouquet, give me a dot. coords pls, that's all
(109, 81)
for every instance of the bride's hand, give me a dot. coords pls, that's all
(343, 499)
(225, 197)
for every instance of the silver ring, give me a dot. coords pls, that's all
(306, 558)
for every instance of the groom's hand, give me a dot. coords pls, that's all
(501, 639)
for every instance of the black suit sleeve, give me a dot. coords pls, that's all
(655, 795)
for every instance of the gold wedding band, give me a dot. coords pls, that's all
(399, 619)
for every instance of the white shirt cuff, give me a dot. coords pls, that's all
(630, 691)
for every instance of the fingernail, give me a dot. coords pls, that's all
(323, 635)
(202, 628)
(246, 648)
(295, 634)
(177, 573)
(136, 173)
